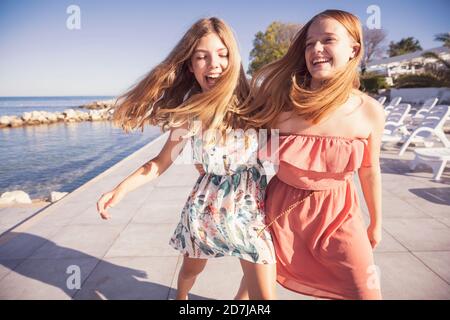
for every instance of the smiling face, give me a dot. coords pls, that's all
(209, 61)
(329, 47)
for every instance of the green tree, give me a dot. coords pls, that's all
(272, 44)
(371, 82)
(405, 45)
(425, 80)
(443, 37)
(430, 54)
(443, 74)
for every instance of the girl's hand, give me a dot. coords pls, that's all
(107, 201)
(374, 234)
(200, 169)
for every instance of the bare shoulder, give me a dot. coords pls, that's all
(372, 109)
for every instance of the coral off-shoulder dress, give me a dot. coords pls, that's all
(321, 245)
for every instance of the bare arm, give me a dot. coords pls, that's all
(156, 166)
(370, 177)
(147, 172)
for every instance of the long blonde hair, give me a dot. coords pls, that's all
(169, 95)
(284, 84)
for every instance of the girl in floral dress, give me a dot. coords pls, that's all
(196, 92)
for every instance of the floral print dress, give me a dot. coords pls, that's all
(224, 213)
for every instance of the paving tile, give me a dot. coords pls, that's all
(419, 234)
(438, 261)
(47, 279)
(139, 240)
(136, 278)
(404, 277)
(77, 241)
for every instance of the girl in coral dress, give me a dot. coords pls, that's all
(328, 130)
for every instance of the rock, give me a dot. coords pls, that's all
(70, 113)
(17, 196)
(52, 117)
(100, 104)
(5, 120)
(13, 121)
(83, 115)
(42, 119)
(26, 116)
(6, 201)
(16, 122)
(49, 117)
(102, 110)
(35, 114)
(36, 118)
(95, 115)
(56, 196)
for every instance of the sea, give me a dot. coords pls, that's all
(60, 156)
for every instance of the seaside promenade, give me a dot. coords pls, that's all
(66, 251)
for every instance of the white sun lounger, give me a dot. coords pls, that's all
(430, 127)
(436, 158)
(427, 106)
(396, 118)
(382, 100)
(392, 104)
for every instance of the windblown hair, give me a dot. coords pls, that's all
(283, 85)
(169, 95)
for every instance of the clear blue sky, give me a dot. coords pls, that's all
(120, 41)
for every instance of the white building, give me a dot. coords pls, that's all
(410, 63)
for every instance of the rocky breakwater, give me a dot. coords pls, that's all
(97, 111)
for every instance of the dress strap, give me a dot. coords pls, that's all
(287, 211)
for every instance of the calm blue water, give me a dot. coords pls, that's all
(61, 156)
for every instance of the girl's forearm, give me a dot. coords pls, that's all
(146, 173)
(370, 179)
(155, 167)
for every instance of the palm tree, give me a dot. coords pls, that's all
(443, 74)
(437, 57)
(405, 45)
(443, 37)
